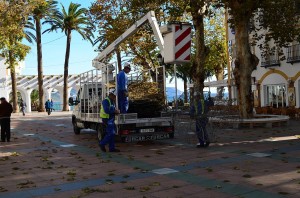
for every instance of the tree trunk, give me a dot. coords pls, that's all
(220, 76)
(66, 72)
(201, 52)
(245, 63)
(13, 83)
(41, 107)
(160, 81)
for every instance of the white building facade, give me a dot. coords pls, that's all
(275, 83)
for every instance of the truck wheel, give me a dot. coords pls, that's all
(123, 139)
(100, 132)
(76, 128)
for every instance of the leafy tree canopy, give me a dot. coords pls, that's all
(277, 19)
(13, 17)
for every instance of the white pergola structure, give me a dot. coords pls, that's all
(27, 83)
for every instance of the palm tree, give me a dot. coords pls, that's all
(75, 19)
(43, 10)
(183, 72)
(16, 55)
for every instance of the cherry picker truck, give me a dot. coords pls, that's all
(95, 85)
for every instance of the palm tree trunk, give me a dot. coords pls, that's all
(40, 65)
(66, 71)
(13, 82)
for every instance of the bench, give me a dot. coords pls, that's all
(264, 120)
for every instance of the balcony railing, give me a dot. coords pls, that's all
(293, 54)
(270, 60)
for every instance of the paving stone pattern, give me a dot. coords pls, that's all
(46, 159)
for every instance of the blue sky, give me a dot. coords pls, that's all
(54, 47)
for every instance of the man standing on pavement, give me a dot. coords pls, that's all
(107, 113)
(122, 88)
(5, 113)
(199, 111)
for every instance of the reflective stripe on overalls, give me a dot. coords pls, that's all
(102, 112)
(196, 107)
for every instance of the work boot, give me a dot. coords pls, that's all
(206, 144)
(115, 150)
(199, 145)
(102, 147)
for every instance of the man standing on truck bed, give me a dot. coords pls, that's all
(122, 88)
(107, 113)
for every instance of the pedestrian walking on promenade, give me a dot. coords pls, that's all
(51, 105)
(48, 106)
(22, 107)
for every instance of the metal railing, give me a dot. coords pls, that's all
(270, 60)
(293, 54)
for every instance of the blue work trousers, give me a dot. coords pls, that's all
(109, 137)
(123, 102)
(201, 131)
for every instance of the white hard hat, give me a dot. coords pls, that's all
(112, 91)
(127, 65)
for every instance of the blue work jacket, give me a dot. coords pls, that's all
(122, 81)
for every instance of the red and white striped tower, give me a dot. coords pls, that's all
(177, 47)
(182, 43)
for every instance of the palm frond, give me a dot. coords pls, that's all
(30, 37)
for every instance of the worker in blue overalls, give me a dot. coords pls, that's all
(199, 111)
(107, 113)
(122, 88)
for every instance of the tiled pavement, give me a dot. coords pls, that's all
(46, 159)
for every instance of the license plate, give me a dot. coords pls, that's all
(147, 130)
(146, 137)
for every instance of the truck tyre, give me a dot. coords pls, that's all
(171, 135)
(100, 132)
(76, 128)
(123, 139)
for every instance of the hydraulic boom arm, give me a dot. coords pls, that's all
(150, 17)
